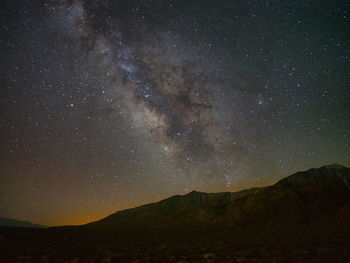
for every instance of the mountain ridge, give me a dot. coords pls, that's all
(301, 218)
(306, 194)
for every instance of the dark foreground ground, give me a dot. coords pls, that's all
(216, 245)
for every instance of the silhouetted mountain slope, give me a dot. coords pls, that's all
(302, 218)
(17, 223)
(301, 197)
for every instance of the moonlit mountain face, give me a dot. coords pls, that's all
(111, 104)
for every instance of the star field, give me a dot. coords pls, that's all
(112, 104)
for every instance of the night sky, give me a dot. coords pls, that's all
(106, 105)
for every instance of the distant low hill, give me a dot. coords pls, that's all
(17, 223)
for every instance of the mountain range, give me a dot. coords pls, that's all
(304, 217)
(310, 195)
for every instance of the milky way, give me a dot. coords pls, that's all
(172, 99)
(111, 104)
